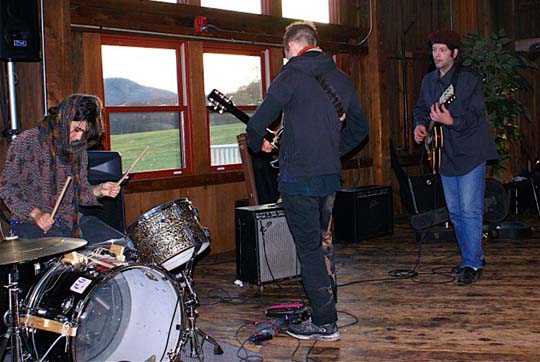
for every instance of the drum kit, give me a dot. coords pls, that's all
(94, 305)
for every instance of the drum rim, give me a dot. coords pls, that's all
(156, 209)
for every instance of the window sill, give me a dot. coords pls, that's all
(178, 182)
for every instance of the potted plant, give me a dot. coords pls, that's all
(501, 69)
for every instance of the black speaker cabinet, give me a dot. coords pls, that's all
(19, 38)
(265, 249)
(106, 166)
(363, 212)
(427, 193)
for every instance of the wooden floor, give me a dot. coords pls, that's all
(383, 318)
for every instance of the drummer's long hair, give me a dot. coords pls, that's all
(55, 130)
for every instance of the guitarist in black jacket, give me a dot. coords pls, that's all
(467, 146)
(317, 100)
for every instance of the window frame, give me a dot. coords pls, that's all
(248, 50)
(183, 108)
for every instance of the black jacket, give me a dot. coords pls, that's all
(313, 139)
(468, 142)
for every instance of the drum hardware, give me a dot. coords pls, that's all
(192, 333)
(13, 252)
(49, 325)
(13, 334)
(118, 252)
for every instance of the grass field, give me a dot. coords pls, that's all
(164, 150)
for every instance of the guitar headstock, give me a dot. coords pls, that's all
(448, 96)
(219, 101)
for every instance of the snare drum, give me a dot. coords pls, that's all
(131, 313)
(169, 234)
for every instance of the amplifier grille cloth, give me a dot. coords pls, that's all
(277, 253)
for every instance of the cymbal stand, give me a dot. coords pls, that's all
(192, 333)
(13, 333)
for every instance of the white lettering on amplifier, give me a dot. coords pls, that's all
(80, 285)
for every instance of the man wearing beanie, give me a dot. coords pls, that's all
(467, 145)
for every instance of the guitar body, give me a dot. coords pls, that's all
(434, 147)
(434, 141)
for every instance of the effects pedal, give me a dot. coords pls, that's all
(290, 312)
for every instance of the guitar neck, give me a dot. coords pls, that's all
(223, 103)
(242, 116)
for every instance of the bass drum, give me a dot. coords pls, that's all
(131, 313)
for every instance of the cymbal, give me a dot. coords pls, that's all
(25, 250)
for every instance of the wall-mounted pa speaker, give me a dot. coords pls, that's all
(19, 31)
(265, 250)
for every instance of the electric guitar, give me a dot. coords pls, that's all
(221, 103)
(435, 139)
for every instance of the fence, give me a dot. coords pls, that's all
(225, 154)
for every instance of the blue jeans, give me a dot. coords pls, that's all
(464, 197)
(308, 218)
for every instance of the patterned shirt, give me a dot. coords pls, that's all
(26, 181)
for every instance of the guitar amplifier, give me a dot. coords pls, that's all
(265, 250)
(363, 212)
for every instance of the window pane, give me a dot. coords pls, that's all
(236, 75)
(224, 128)
(239, 77)
(314, 10)
(131, 132)
(247, 6)
(136, 76)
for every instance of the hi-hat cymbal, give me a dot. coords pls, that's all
(25, 250)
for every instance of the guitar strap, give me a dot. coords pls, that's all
(454, 79)
(332, 96)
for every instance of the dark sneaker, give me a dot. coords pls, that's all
(309, 330)
(458, 268)
(469, 275)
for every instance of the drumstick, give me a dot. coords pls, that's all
(133, 165)
(59, 200)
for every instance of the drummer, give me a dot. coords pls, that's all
(38, 163)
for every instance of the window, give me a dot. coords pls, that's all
(313, 10)
(145, 103)
(238, 74)
(247, 6)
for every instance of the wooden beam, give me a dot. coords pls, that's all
(200, 130)
(147, 17)
(379, 137)
(58, 50)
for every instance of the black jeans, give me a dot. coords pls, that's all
(309, 218)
